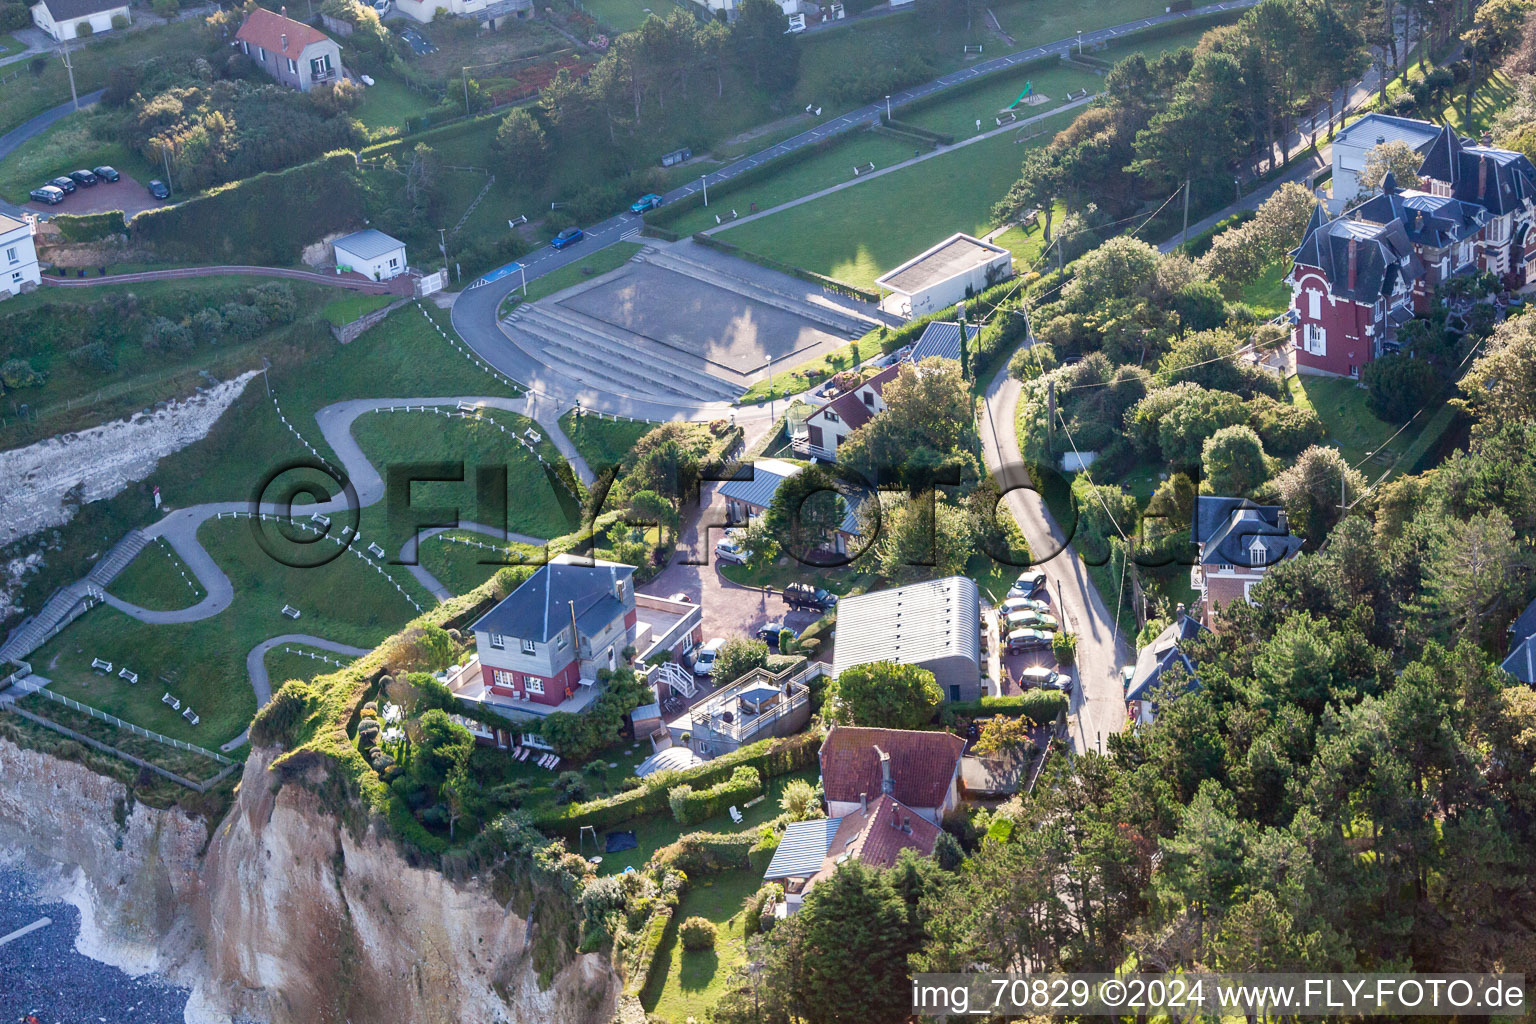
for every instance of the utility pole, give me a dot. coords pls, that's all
(70, 67)
(1184, 235)
(465, 74)
(1050, 415)
(165, 151)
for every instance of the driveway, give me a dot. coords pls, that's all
(727, 607)
(124, 194)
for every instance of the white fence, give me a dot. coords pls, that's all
(113, 720)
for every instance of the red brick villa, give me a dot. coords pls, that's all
(1359, 277)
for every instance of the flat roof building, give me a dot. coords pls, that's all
(934, 625)
(958, 267)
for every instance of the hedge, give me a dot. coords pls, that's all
(239, 222)
(642, 955)
(830, 283)
(1039, 706)
(917, 131)
(706, 853)
(89, 227)
(761, 854)
(771, 758)
(691, 806)
(456, 130)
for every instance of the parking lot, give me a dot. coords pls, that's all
(125, 194)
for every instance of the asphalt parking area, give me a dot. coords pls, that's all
(125, 194)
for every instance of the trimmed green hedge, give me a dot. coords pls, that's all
(829, 283)
(642, 955)
(88, 227)
(433, 136)
(267, 219)
(917, 131)
(691, 806)
(1039, 706)
(761, 854)
(706, 853)
(771, 758)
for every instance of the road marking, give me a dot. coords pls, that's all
(41, 922)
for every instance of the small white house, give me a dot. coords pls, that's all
(1353, 144)
(372, 253)
(957, 267)
(62, 19)
(18, 258)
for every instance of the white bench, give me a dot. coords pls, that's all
(290, 611)
(174, 702)
(132, 677)
(375, 550)
(98, 665)
(189, 716)
(533, 435)
(322, 520)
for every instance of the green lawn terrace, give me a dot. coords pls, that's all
(158, 580)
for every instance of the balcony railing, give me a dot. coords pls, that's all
(323, 75)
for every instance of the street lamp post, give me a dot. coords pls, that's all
(1079, 42)
(705, 179)
(887, 108)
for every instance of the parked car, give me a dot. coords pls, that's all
(1046, 678)
(729, 551)
(769, 634)
(1027, 583)
(1021, 640)
(382, 6)
(681, 597)
(1029, 619)
(83, 178)
(63, 184)
(570, 236)
(804, 595)
(649, 201)
(158, 189)
(106, 173)
(1023, 604)
(704, 658)
(47, 194)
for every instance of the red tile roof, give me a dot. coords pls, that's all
(267, 30)
(876, 837)
(922, 764)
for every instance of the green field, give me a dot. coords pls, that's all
(859, 233)
(76, 141)
(203, 663)
(958, 115)
(387, 103)
(537, 504)
(1036, 23)
(352, 306)
(463, 567)
(10, 45)
(602, 442)
(1268, 294)
(294, 664)
(1350, 426)
(684, 984)
(159, 580)
(623, 15)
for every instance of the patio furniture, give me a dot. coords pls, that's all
(735, 814)
(375, 550)
(132, 677)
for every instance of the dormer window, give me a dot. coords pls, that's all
(869, 399)
(529, 647)
(1258, 554)
(498, 641)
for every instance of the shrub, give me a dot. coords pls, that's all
(119, 21)
(677, 799)
(1064, 646)
(705, 853)
(761, 854)
(697, 934)
(800, 801)
(1039, 706)
(18, 373)
(690, 806)
(84, 30)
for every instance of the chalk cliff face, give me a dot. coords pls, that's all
(286, 916)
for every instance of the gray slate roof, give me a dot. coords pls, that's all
(368, 244)
(1162, 654)
(1228, 529)
(1521, 662)
(1499, 180)
(802, 848)
(541, 607)
(1525, 624)
(1373, 129)
(909, 625)
(1383, 255)
(757, 482)
(1431, 221)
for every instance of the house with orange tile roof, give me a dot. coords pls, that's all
(299, 56)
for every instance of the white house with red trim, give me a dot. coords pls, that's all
(1357, 278)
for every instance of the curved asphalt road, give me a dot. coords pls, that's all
(256, 669)
(29, 130)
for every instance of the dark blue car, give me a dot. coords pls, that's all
(570, 236)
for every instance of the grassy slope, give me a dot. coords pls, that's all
(602, 442)
(203, 663)
(351, 306)
(536, 504)
(387, 103)
(857, 234)
(1340, 404)
(1043, 23)
(76, 141)
(159, 580)
(462, 567)
(291, 664)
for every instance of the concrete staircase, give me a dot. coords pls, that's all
(601, 355)
(70, 602)
(808, 303)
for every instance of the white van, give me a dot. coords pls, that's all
(704, 659)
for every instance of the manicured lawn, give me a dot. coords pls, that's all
(1026, 244)
(603, 442)
(400, 358)
(353, 306)
(1351, 427)
(600, 262)
(1268, 294)
(536, 502)
(859, 233)
(684, 984)
(1032, 23)
(461, 567)
(854, 578)
(958, 115)
(79, 140)
(1156, 46)
(623, 15)
(9, 45)
(387, 103)
(296, 663)
(159, 580)
(203, 663)
(831, 166)
(1491, 97)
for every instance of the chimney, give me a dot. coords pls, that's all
(906, 826)
(1280, 521)
(1482, 176)
(1178, 612)
(283, 10)
(886, 786)
(1354, 261)
(863, 803)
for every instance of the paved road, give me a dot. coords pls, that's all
(1098, 703)
(31, 129)
(256, 670)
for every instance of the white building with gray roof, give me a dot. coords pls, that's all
(935, 625)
